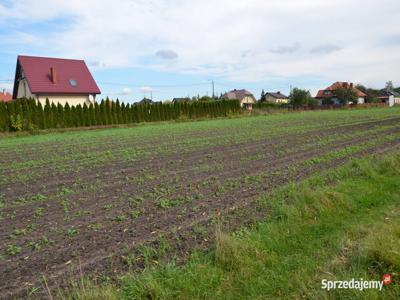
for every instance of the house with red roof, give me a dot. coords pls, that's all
(4, 96)
(328, 95)
(59, 80)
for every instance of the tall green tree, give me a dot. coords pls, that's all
(47, 114)
(346, 95)
(54, 114)
(86, 116)
(262, 98)
(3, 117)
(299, 97)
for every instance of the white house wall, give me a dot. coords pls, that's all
(391, 100)
(63, 99)
(248, 100)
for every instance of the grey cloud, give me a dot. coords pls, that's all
(97, 63)
(247, 53)
(286, 49)
(325, 49)
(167, 54)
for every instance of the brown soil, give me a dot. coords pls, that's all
(110, 210)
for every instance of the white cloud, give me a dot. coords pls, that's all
(244, 40)
(325, 49)
(146, 89)
(286, 49)
(126, 91)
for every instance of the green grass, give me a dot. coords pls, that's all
(342, 225)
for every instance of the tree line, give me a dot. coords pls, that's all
(29, 114)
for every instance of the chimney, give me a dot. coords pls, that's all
(279, 92)
(53, 75)
(4, 91)
(351, 85)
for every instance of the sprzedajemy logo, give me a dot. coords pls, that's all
(360, 284)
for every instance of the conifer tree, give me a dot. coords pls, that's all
(79, 114)
(108, 106)
(55, 121)
(86, 117)
(118, 115)
(3, 117)
(60, 115)
(103, 113)
(47, 114)
(40, 116)
(92, 116)
(97, 114)
(67, 115)
(123, 114)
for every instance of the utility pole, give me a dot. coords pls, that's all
(213, 92)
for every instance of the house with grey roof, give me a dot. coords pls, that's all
(277, 98)
(245, 98)
(389, 97)
(180, 100)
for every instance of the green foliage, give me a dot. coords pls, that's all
(30, 114)
(16, 122)
(346, 95)
(13, 250)
(263, 96)
(299, 97)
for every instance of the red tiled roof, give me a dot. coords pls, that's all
(4, 96)
(335, 86)
(37, 73)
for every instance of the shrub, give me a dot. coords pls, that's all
(16, 122)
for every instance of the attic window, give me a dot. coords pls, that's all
(73, 82)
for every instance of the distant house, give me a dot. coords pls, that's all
(146, 101)
(389, 97)
(56, 79)
(328, 95)
(5, 97)
(277, 97)
(245, 97)
(180, 100)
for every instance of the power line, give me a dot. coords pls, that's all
(154, 85)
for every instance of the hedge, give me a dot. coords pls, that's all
(29, 114)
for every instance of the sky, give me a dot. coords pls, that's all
(176, 48)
